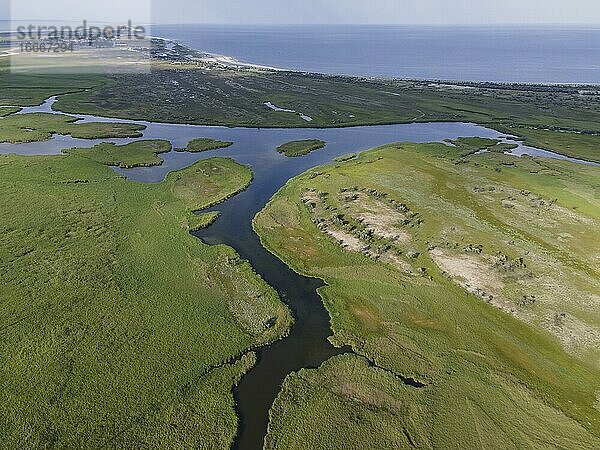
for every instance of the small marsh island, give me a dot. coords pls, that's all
(295, 149)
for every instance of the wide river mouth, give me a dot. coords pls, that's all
(307, 345)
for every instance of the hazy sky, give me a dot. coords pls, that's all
(314, 11)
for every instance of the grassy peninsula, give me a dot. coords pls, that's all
(472, 275)
(21, 128)
(133, 332)
(134, 154)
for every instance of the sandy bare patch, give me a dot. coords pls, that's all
(565, 236)
(384, 225)
(310, 197)
(475, 275)
(346, 240)
(378, 218)
(575, 335)
(350, 242)
(382, 219)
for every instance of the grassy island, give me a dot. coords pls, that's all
(300, 148)
(203, 145)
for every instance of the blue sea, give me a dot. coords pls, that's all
(511, 53)
(528, 54)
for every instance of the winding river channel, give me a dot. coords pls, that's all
(307, 344)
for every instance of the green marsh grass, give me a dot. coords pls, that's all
(119, 328)
(528, 378)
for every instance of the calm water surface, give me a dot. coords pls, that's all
(530, 54)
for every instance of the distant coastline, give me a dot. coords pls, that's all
(230, 61)
(500, 54)
(532, 55)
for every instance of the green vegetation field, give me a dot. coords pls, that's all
(35, 127)
(472, 145)
(8, 110)
(573, 144)
(300, 148)
(330, 101)
(208, 95)
(117, 328)
(474, 275)
(29, 90)
(203, 145)
(134, 154)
